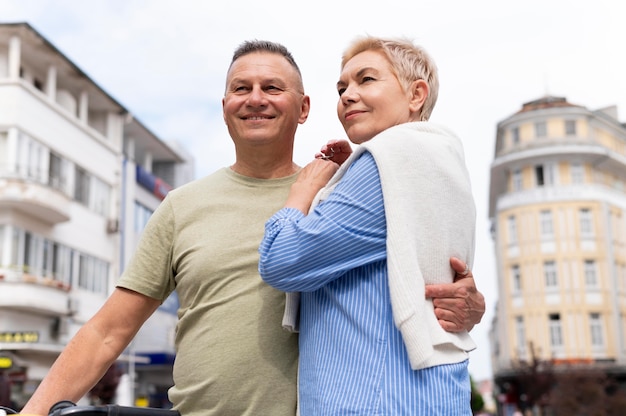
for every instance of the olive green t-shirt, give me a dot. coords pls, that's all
(232, 355)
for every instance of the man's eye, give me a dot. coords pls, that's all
(240, 88)
(272, 88)
(341, 91)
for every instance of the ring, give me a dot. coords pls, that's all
(466, 271)
(328, 157)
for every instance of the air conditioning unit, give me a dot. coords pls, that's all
(113, 225)
(59, 327)
(73, 304)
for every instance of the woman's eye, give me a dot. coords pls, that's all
(365, 79)
(341, 91)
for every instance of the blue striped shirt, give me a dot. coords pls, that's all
(352, 357)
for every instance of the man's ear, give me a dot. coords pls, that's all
(304, 109)
(419, 92)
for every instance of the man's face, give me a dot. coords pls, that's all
(264, 101)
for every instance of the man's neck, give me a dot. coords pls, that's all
(271, 170)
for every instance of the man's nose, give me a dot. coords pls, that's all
(257, 96)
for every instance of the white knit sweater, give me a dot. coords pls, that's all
(431, 217)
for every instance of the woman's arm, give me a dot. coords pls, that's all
(347, 230)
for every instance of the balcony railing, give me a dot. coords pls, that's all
(33, 198)
(29, 292)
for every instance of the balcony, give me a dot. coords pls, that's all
(29, 293)
(35, 199)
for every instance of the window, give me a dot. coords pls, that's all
(570, 127)
(586, 223)
(57, 172)
(577, 173)
(549, 272)
(48, 248)
(35, 160)
(547, 228)
(517, 279)
(62, 264)
(3, 232)
(100, 196)
(40, 257)
(142, 215)
(591, 277)
(541, 129)
(91, 191)
(515, 135)
(595, 327)
(545, 174)
(539, 175)
(93, 274)
(4, 152)
(516, 180)
(520, 334)
(554, 324)
(16, 253)
(81, 186)
(33, 254)
(512, 227)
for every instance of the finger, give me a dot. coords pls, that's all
(457, 264)
(449, 326)
(460, 268)
(451, 303)
(444, 290)
(450, 315)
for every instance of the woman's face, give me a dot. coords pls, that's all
(371, 98)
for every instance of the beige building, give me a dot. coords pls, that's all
(558, 211)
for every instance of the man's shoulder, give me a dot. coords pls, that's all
(217, 178)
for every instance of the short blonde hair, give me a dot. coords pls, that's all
(409, 62)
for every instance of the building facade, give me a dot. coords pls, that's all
(79, 177)
(557, 206)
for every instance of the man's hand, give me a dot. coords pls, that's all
(459, 305)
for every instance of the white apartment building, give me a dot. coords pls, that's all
(558, 212)
(79, 177)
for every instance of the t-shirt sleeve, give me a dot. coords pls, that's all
(150, 270)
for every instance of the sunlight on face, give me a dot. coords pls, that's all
(371, 99)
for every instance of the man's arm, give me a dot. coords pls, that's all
(459, 305)
(92, 350)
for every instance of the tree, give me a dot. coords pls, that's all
(104, 391)
(476, 400)
(534, 380)
(586, 391)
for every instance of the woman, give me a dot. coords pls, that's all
(377, 230)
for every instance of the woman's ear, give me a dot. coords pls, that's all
(419, 92)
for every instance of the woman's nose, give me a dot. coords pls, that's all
(350, 94)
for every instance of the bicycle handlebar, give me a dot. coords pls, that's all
(113, 410)
(67, 408)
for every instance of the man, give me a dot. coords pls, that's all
(233, 357)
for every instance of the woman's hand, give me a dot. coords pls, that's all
(311, 179)
(336, 150)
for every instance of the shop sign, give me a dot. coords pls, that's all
(5, 362)
(19, 337)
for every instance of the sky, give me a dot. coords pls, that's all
(166, 61)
